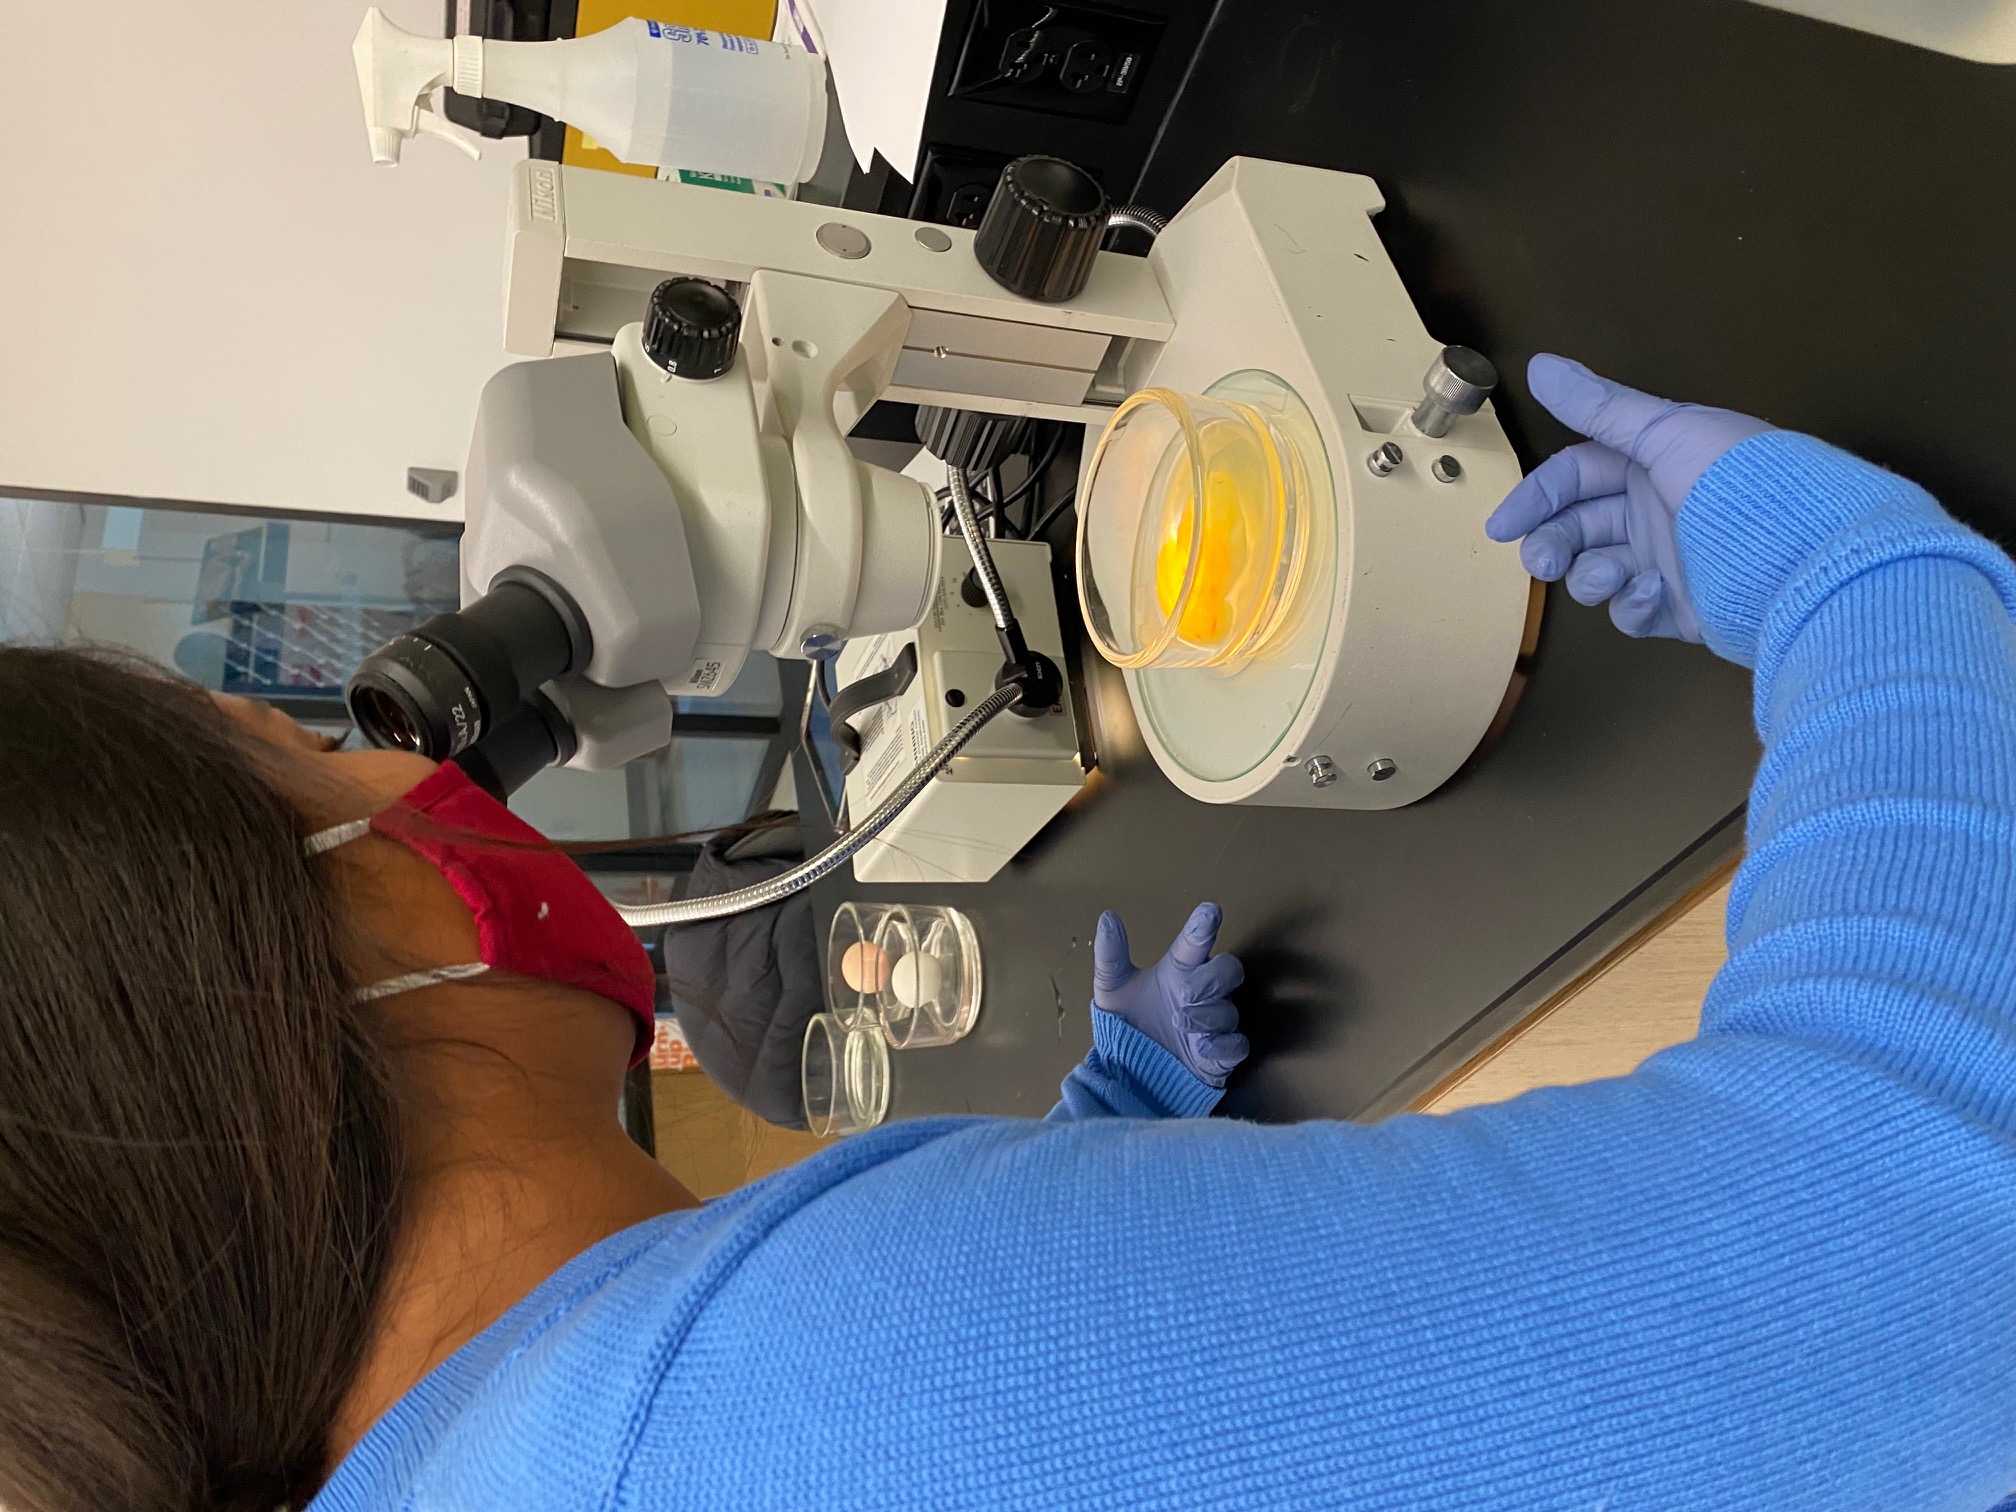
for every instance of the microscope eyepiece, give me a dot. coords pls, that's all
(441, 688)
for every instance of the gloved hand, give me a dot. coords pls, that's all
(1602, 513)
(1182, 1003)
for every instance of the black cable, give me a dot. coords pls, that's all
(1037, 468)
(1051, 514)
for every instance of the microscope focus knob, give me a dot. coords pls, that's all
(1458, 384)
(692, 328)
(1042, 230)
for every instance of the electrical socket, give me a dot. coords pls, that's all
(1076, 60)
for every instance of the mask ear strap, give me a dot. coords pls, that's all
(392, 986)
(335, 835)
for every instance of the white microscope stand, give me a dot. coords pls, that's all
(1271, 267)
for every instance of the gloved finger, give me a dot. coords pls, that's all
(1223, 1051)
(1553, 546)
(1216, 978)
(1619, 417)
(1583, 471)
(1596, 576)
(1193, 945)
(1216, 1016)
(1111, 964)
(1635, 610)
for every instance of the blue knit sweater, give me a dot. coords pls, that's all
(1774, 1268)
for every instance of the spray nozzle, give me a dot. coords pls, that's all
(397, 74)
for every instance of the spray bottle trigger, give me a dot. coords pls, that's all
(430, 124)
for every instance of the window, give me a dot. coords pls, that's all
(283, 609)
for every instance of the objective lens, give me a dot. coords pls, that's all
(437, 690)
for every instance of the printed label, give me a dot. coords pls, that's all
(884, 764)
(694, 36)
(706, 675)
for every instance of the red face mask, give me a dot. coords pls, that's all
(537, 914)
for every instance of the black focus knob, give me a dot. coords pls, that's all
(692, 327)
(1042, 230)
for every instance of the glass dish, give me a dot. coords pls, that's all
(844, 1076)
(910, 969)
(1194, 535)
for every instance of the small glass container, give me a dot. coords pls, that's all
(1194, 533)
(911, 969)
(843, 1074)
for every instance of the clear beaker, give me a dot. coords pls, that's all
(1193, 533)
(913, 969)
(843, 1075)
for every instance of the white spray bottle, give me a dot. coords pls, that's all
(653, 94)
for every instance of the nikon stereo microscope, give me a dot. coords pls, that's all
(1280, 537)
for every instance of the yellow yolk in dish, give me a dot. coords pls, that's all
(1221, 561)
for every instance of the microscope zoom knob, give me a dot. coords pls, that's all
(1457, 384)
(1043, 228)
(692, 328)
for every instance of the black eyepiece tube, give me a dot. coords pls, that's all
(441, 688)
(532, 738)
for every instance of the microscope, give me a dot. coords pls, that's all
(667, 486)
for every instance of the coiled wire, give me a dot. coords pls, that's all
(1138, 218)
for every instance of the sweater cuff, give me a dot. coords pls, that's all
(1162, 1078)
(1760, 512)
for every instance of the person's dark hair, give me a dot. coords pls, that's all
(199, 1168)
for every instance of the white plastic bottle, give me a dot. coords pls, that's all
(653, 94)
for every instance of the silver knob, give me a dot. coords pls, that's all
(1458, 384)
(1381, 769)
(1322, 771)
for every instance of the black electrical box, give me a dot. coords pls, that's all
(1087, 61)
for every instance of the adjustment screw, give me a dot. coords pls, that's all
(1322, 771)
(820, 642)
(1381, 769)
(1385, 461)
(1446, 469)
(956, 697)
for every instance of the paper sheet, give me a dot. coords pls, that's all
(881, 53)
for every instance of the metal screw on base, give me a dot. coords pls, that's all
(1322, 771)
(1381, 769)
(1446, 469)
(1386, 460)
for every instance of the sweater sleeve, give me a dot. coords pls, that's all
(1773, 1268)
(1128, 1075)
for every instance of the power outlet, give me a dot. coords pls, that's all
(953, 187)
(1085, 61)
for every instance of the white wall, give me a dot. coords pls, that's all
(208, 292)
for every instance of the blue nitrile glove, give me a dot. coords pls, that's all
(1601, 513)
(1183, 1003)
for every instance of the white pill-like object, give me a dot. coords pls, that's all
(916, 979)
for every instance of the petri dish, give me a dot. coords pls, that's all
(1194, 539)
(1221, 724)
(931, 994)
(843, 1076)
